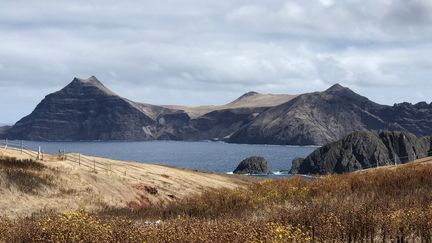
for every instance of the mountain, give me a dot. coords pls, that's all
(323, 117)
(249, 100)
(86, 110)
(361, 150)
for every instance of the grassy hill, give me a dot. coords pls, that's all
(384, 204)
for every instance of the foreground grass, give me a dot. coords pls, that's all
(27, 176)
(381, 205)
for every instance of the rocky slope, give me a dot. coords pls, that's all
(322, 117)
(87, 110)
(248, 100)
(361, 150)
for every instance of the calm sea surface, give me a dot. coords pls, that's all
(208, 156)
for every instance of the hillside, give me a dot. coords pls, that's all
(388, 204)
(322, 117)
(86, 110)
(248, 100)
(96, 183)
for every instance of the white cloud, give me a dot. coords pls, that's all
(203, 52)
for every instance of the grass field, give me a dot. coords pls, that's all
(393, 204)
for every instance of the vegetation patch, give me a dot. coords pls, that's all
(26, 175)
(386, 205)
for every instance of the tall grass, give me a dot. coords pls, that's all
(26, 175)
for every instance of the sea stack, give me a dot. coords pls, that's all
(253, 165)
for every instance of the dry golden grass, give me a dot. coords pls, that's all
(393, 205)
(63, 185)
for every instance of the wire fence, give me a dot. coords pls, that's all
(74, 157)
(19, 145)
(95, 166)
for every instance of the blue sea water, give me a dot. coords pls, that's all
(207, 156)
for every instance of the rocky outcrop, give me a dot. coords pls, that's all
(252, 165)
(361, 150)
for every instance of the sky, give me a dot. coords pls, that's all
(195, 52)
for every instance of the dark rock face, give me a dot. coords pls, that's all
(361, 150)
(222, 123)
(313, 119)
(323, 117)
(86, 110)
(252, 165)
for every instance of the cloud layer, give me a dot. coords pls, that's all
(208, 52)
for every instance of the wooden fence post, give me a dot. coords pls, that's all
(79, 159)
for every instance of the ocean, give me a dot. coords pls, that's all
(216, 157)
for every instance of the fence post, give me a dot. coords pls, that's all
(42, 155)
(79, 159)
(39, 154)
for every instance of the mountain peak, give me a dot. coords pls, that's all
(92, 81)
(248, 94)
(336, 87)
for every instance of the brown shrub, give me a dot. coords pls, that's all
(381, 205)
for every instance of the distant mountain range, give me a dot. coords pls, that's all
(86, 110)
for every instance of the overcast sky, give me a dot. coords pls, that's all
(193, 52)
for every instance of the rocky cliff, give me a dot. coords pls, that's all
(86, 110)
(361, 150)
(323, 117)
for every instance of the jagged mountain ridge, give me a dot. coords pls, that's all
(86, 110)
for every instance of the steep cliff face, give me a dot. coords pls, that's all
(313, 119)
(87, 110)
(361, 150)
(84, 110)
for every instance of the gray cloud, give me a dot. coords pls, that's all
(209, 52)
